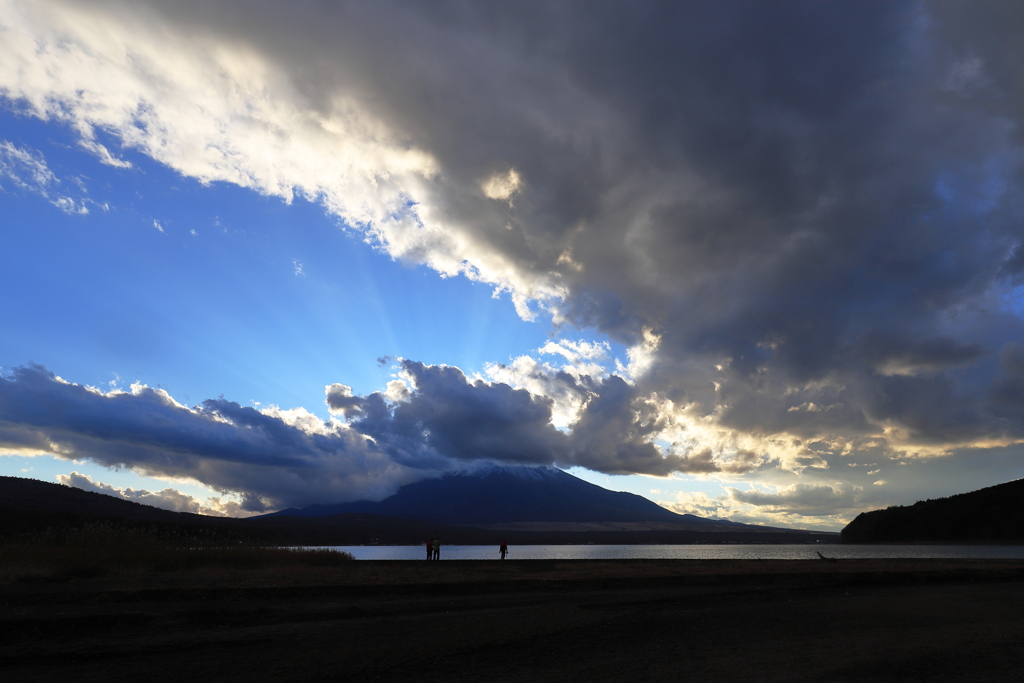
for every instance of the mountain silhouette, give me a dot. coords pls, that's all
(501, 495)
(992, 514)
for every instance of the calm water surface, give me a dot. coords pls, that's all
(687, 552)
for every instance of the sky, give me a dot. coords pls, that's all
(756, 261)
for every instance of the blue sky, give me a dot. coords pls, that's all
(234, 292)
(757, 262)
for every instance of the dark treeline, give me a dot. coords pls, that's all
(29, 508)
(993, 514)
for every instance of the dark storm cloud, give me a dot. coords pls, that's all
(792, 189)
(881, 350)
(611, 437)
(801, 499)
(1008, 389)
(450, 417)
(221, 444)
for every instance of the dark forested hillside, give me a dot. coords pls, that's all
(994, 514)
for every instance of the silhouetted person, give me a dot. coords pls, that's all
(503, 549)
(430, 550)
(437, 549)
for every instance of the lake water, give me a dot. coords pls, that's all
(687, 552)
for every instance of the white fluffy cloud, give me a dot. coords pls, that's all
(168, 498)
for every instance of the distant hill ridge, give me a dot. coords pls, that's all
(494, 494)
(29, 506)
(993, 514)
(33, 495)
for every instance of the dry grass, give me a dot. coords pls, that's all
(111, 550)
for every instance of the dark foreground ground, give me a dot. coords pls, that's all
(584, 620)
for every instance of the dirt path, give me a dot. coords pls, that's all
(557, 622)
